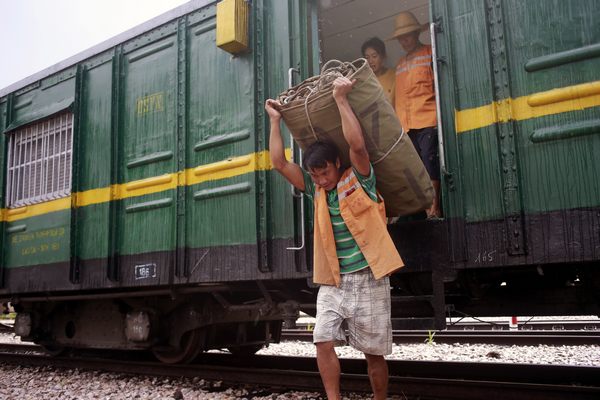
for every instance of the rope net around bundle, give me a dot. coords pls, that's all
(331, 70)
(311, 114)
(322, 83)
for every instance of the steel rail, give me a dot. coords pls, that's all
(551, 325)
(572, 338)
(543, 325)
(12, 348)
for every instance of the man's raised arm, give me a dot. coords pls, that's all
(290, 171)
(359, 157)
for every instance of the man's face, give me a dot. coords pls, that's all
(327, 177)
(409, 42)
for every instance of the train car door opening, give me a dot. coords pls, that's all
(345, 25)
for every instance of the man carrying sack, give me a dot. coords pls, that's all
(353, 252)
(311, 115)
(415, 99)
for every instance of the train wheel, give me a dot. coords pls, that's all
(189, 348)
(54, 350)
(247, 350)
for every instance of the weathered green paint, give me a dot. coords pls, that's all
(116, 89)
(147, 100)
(41, 100)
(560, 174)
(508, 170)
(563, 57)
(219, 109)
(564, 174)
(511, 190)
(543, 28)
(148, 109)
(231, 216)
(94, 157)
(3, 153)
(472, 190)
(565, 131)
(95, 144)
(93, 231)
(79, 106)
(291, 45)
(263, 262)
(542, 176)
(44, 241)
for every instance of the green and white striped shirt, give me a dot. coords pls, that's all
(349, 255)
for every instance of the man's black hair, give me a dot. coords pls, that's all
(318, 154)
(376, 44)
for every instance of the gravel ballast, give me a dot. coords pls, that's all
(26, 383)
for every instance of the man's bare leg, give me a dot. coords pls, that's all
(329, 368)
(435, 210)
(378, 375)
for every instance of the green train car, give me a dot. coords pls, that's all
(140, 210)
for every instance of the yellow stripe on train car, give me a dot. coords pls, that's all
(234, 166)
(555, 101)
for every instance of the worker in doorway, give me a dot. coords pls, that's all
(373, 50)
(415, 99)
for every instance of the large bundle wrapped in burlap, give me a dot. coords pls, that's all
(311, 114)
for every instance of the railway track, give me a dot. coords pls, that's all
(6, 326)
(551, 332)
(525, 325)
(533, 337)
(412, 379)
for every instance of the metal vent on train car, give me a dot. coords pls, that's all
(39, 161)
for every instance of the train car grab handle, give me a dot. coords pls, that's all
(438, 108)
(295, 191)
(291, 76)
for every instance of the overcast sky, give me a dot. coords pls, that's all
(35, 34)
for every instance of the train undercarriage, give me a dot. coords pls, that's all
(179, 324)
(176, 326)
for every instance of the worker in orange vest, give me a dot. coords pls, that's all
(415, 99)
(353, 252)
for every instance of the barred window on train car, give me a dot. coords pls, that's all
(39, 161)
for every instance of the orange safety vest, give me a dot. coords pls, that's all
(415, 93)
(366, 222)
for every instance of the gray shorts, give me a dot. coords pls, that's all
(364, 305)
